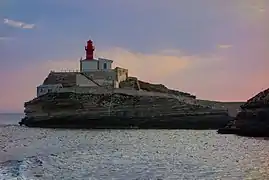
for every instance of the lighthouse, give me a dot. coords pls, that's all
(89, 50)
(90, 64)
(93, 73)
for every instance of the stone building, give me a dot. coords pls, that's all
(92, 73)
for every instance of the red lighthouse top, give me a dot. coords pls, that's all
(89, 50)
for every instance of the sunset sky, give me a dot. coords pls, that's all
(215, 49)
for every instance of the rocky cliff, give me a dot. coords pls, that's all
(133, 82)
(253, 120)
(120, 110)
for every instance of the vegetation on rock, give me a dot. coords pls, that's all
(133, 82)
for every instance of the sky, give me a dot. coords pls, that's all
(214, 49)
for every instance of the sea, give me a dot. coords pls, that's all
(36, 153)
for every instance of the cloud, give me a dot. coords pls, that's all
(224, 46)
(259, 7)
(18, 24)
(150, 66)
(252, 10)
(2, 38)
(261, 10)
(154, 66)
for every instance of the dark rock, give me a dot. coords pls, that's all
(253, 120)
(119, 110)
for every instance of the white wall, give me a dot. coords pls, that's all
(105, 61)
(104, 82)
(88, 65)
(82, 81)
(116, 84)
(122, 74)
(122, 77)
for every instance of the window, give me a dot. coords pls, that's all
(105, 66)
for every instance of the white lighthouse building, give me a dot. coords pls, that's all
(90, 64)
(100, 64)
(93, 74)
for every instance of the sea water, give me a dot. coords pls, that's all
(35, 153)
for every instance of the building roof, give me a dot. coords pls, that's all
(104, 59)
(67, 79)
(50, 85)
(89, 60)
(99, 59)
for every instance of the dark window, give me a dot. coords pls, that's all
(105, 65)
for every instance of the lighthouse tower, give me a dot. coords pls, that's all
(90, 64)
(89, 50)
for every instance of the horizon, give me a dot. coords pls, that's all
(215, 50)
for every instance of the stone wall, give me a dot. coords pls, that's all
(99, 74)
(104, 90)
(67, 79)
(83, 81)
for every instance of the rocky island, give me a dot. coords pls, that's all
(97, 96)
(253, 119)
(120, 109)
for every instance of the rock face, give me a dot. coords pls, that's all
(253, 120)
(133, 82)
(119, 110)
(261, 100)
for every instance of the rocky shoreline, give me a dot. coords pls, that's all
(120, 110)
(253, 120)
(198, 122)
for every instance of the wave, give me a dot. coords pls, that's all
(8, 125)
(21, 169)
